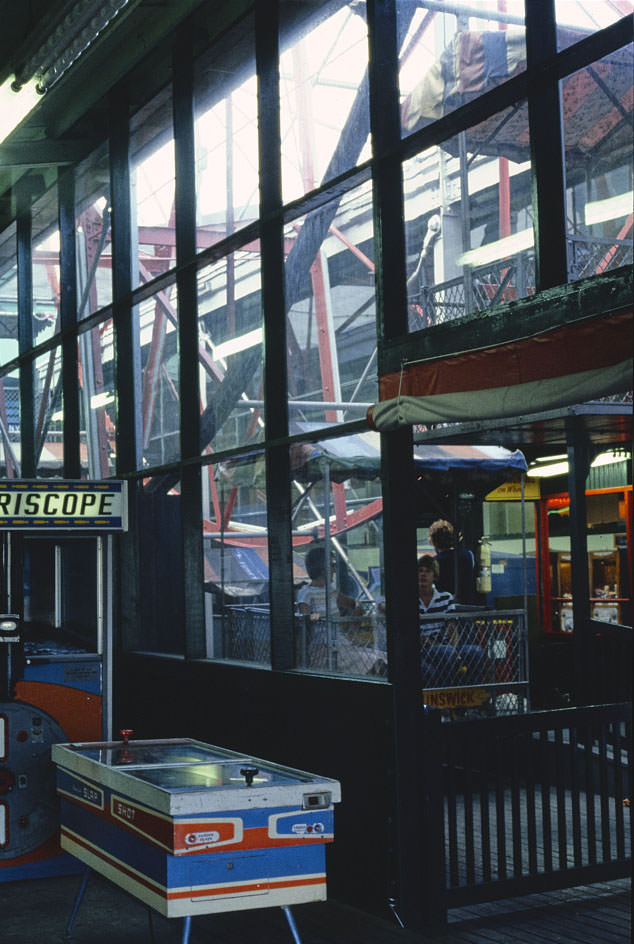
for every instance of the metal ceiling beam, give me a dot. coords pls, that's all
(44, 153)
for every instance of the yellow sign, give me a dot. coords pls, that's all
(65, 504)
(455, 697)
(512, 491)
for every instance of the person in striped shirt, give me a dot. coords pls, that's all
(440, 660)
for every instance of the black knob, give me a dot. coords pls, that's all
(249, 773)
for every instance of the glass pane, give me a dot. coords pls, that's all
(152, 185)
(93, 241)
(448, 59)
(236, 571)
(161, 626)
(10, 426)
(337, 517)
(324, 97)
(49, 413)
(45, 247)
(579, 18)
(230, 351)
(226, 132)
(97, 402)
(8, 295)
(330, 293)
(157, 337)
(597, 111)
(468, 221)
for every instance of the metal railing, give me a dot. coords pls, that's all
(475, 662)
(344, 645)
(246, 634)
(509, 279)
(527, 803)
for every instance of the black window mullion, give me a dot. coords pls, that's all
(547, 149)
(127, 356)
(274, 310)
(185, 225)
(399, 528)
(25, 327)
(68, 321)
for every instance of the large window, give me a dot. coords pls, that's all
(156, 324)
(337, 535)
(97, 401)
(152, 186)
(230, 351)
(93, 240)
(468, 221)
(449, 59)
(324, 97)
(226, 137)
(235, 560)
(597, 120)
(329, 202)
(331, 311)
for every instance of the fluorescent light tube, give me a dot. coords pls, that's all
(610, 209)
(235, 345)
(500, 249)
(546, 471)
(15, 106)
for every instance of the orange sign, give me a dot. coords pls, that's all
(455, 697)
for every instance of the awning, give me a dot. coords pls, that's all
(573, 363)
(359, 456)
(239, 571)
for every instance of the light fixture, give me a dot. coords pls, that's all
(77, 28)
(609, 458)
(546, 471)
(500, 249)
(15, 105)
(235, 345)
(99, 400)
(612, 208)
(548, 466)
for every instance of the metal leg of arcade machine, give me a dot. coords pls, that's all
(291, 924)
(187, 925)
(77, 902)
(78, 899)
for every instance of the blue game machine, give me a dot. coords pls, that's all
(56, 604)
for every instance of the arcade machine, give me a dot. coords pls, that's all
(192, 829)
(55, 661)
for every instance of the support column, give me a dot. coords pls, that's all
(579, 458)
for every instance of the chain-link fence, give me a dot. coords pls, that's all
(246, 634)
(475, 661)
(344, 645)
(471, 661)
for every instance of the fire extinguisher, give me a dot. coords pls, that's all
(483, 580)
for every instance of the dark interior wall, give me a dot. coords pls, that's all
(328, 726)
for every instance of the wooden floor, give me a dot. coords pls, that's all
(37, 912)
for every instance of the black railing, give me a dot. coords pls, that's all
(528, 803)
(509, 279)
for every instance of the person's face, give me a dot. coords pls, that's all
(425, 579)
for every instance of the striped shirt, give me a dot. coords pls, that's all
(441, 602)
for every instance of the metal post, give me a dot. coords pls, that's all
(578, 466)
(291, 924)
(77, 902)
(187, 926)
